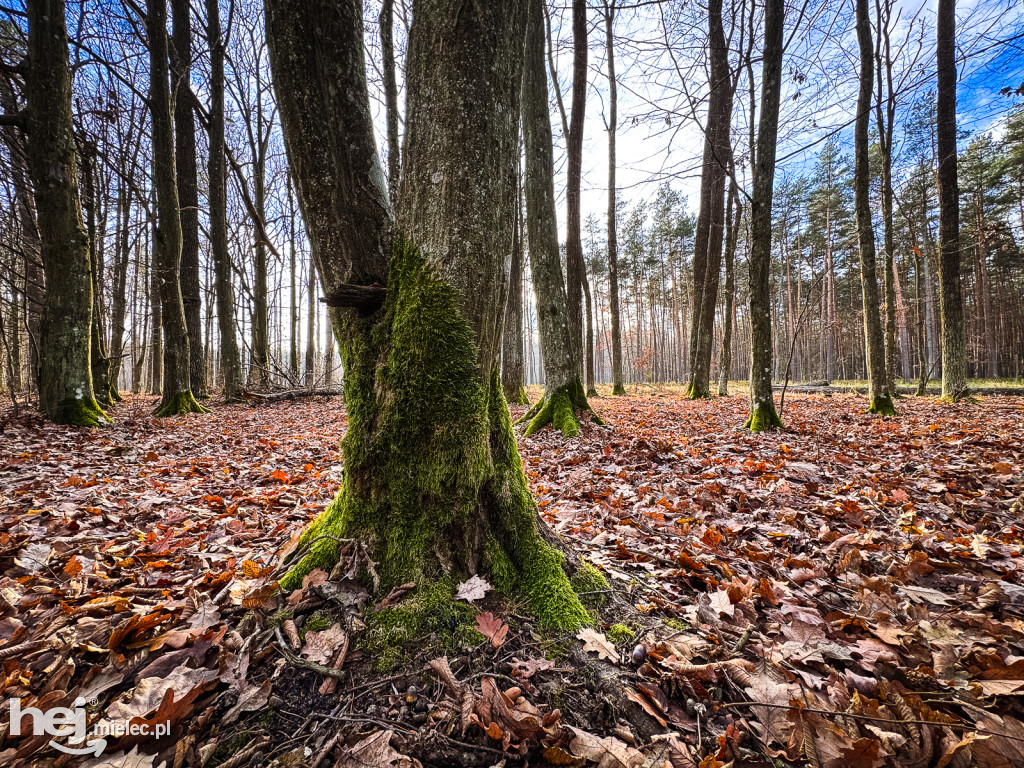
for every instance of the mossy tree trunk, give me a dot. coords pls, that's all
(874, 342)
(763, 415)
(65, 374)
(954, 348)
(433, 480)
(177, 389)
(707, 256)
(564, 394)
(512, 334)
(230, 359)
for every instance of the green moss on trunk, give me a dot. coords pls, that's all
(178, 404)
(80, 412)
(519, 397)
(618, 389)
(763, 418)
(882, 405)
(695, 391)
(559, 408)
(592, 392)
(433, 481)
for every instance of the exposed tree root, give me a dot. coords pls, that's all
(559, 409)
(518, 397)
(763, 418)
(179, 404)
(882, 405)
(81, 412)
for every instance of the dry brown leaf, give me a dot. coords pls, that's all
(607, 752)
(596, 642)
(321, 646)
(376, 750)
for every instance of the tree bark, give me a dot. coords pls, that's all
(954, 348)
(762, 404)
(563, 386)
(188, 190)
(119, 306)
(34, 283)
(230, 359)
(99, 363)
(512, 334)
(65, 376)
(574, 268)
(177, 389)
(618, 387)
(156, 355)
(387, 52)
(733, 217)
(874, 342)
(433, 481)
(293, 305)
(707, 256)
(885, 119)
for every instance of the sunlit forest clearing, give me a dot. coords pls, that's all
(417, 383)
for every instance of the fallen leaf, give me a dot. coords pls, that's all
(494, 629)
(598, 643)
(473, 589)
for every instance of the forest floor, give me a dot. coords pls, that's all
(847, 592)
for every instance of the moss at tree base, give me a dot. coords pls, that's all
(559, 409)
(80, 412)
(518, 396)
(882, 405)
(618, 390)
(763, 418)
(179, 404)
(433, 482)
(695, 391)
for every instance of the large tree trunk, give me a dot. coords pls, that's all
(874, 342)
(65, 376)
(433, 482)
(188, 190)
(763, 415)
(563, 387)
(230, 359)
(954, 348)
(618, 387)
(512, 334)
(177, 389)
(707, 256)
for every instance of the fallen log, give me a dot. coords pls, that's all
(263, 398)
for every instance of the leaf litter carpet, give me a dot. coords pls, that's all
(845, 593)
